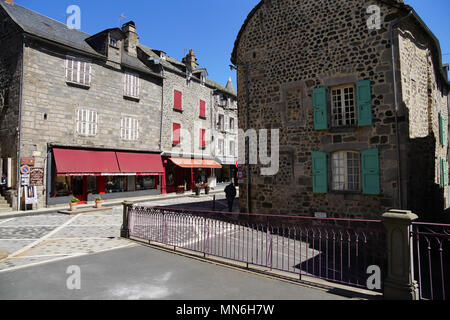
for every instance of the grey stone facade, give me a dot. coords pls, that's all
(289, 48)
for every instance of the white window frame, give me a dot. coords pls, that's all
(232, 148)
(78, 71)
(232, 125)
(131, 83)
(87, 122)
(221, 124)
(348, 118)
(340, 172)
(220, 147)
(129, 129)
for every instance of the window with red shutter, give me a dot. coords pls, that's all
(202, 109)
(176, 134)
(202, 138)
(178, 100)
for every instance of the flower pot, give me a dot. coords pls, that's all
(207, 190)
(98, 204)
(197, 191)
(73, 206)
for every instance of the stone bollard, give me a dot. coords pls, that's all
(400, 283)
(125, 230)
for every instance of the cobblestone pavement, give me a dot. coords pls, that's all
(44, 238)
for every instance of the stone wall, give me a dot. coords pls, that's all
(50, 105)
(292, 47)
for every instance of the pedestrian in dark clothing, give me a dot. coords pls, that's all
(3, 183)
(231, 193)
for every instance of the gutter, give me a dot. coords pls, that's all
(19, 133)
(399, 166)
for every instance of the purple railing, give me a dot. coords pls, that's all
(337, 250)
(432, 260)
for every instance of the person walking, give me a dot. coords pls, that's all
(3, 183)
(231, 193)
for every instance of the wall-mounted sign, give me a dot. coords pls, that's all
(25, 179)
(25, 169)
(37, 177)
(27, 162)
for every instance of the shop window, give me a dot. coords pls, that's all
(145, 183)
(63, 187)
(116, 184)
(346, 170)
(78, 71)
(92, 185)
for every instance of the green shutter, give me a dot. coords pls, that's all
(364, 102)
(320, 176)
(444, 179)
(320, 109)
(442, 129)
(370, 172)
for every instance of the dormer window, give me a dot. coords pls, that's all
(113, 42)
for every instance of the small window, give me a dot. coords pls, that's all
(343, 110)
(232, 148)
(346, 170)
(221, 123)
(113, 42)
(178, 100)
(232, 124)
(87, 122)
(220, 147)
(131, 85)
(78, 71)
(129, 130)
(203, 138)
(202, 109)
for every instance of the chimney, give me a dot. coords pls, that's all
(131, 38)
(191, 61)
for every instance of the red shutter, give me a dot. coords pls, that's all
(202, 138)
(176, 134)
(178, 100)
(202, 109)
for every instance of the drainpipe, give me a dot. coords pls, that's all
(247, 102)
(399, 171)
(162, 113)
(19, 133)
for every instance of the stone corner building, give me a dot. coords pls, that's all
(354, 141)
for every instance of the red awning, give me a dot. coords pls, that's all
(194, 163)
(84, 162)
(140, 163)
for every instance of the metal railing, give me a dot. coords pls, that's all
(337, 250)
(432, 260)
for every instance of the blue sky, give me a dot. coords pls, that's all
(209, 27)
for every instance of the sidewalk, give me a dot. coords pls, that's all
(219, 190)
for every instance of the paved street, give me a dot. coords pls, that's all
(144, 273)
(43, 238)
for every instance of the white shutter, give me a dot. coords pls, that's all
(79, 121)
(96, 124)
(121, 129)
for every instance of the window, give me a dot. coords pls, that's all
(232, 148)
(87, 122)
(131, 85)
(145, 183)
(221, 123)
(113, 42)
(220, 145)
(232, 124)
(202, 109)
(178, 100)
(343, 111)
(176, 134)
(63, 186)
(346, 171)
(129, 129)
(202, 138)
(78, 71)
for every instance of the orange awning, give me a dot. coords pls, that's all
(195, 163)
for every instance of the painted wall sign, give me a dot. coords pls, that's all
(37, 177)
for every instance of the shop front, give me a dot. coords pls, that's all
(87, 174)
(183, 173)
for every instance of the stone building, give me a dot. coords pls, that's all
(355, 141)
(85, 112)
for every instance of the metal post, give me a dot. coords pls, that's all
(125, 230)
(400, 283)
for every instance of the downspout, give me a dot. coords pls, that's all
(162, 112)
(399, 167)
(19, 134)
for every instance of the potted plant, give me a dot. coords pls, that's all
(180, 189)
(197, 189)
(73, 204)
(207, 189)
(98, 202)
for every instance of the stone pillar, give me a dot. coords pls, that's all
(400, 283)
(125, 230)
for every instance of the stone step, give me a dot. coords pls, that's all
(4, 206)
(3, 201)
(5, 210)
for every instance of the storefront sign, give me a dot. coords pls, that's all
(27, 161)
(30, 195)
(37, 177)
